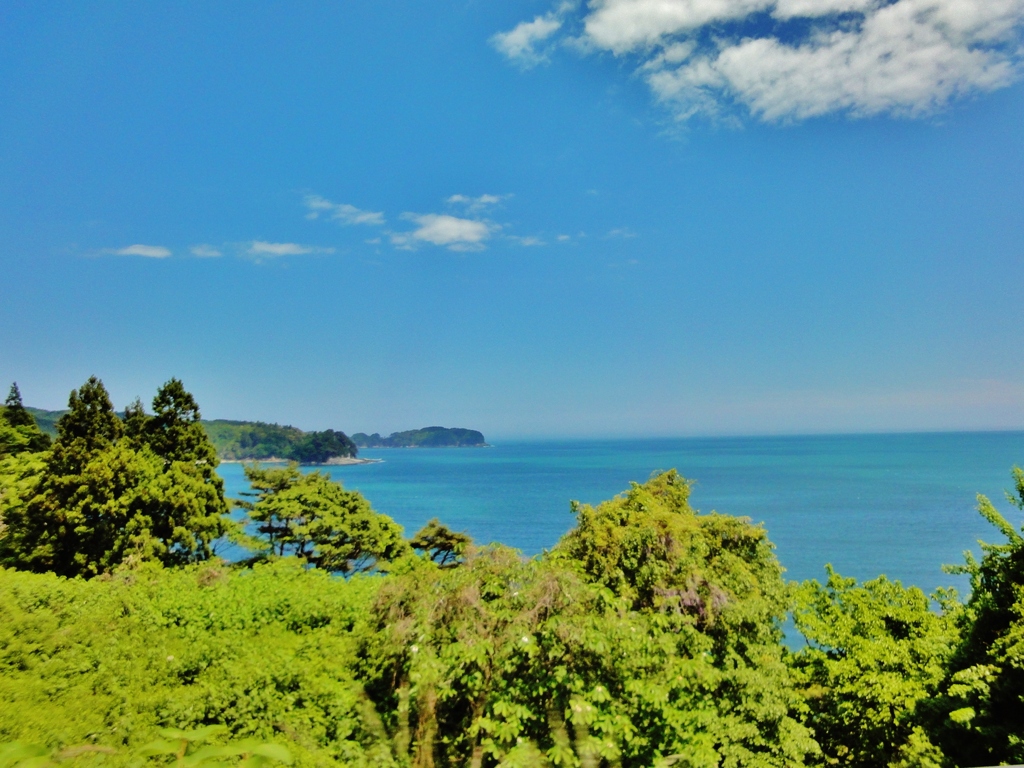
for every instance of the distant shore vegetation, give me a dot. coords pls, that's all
(256, 441)
(250, 440)
(428, 437)
(259, 441)
(650, 635)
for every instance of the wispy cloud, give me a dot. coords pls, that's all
(624, 233)
(146, 251)
(452, 232)
(341, 212)
(786, 60)
(466, 227)
(263, 249)
(476, 204)
(525, 43)
(528, 242)
(205, 251)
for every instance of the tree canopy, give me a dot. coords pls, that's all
(314, 518)
(651, 635)
(979, 712)
(100, 498)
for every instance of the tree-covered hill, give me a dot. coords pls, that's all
(47, 420)
(239, 440)
(251, 440)
(428, 437)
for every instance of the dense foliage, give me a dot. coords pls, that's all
(651, 635)
(19, 432)
(874, 652)
(112, 491)
(512, 662)
(270, 652)
(256, 441)
(979, 716)
(316, 520)
(428, 437)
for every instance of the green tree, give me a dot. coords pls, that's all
(122, 506)
(441, 544)
(314, 518)
(875, 652)
(19, 432)
(19, 475)
(101, 501)
(14, 410)
(135, 422)
(90, 423)
(979, 717)
(174, 431)
(649, 637)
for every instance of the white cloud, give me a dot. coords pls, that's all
(528, 241)
(148, 251)
(520, 44)
(853, 57)
(343, 212)
(454, 233)
(621, 232)
(789, 9)
(261, 248)
(476, 204)
(205, 251)
(622, 26)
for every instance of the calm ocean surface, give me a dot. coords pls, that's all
(896, 504)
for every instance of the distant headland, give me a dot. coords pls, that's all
(259, 441)
(428, 437)
(256, 441)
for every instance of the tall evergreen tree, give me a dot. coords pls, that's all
(135, 422)
(107, 497)
(19, 432)
(89, 425)
(175, 433)
(15, 413)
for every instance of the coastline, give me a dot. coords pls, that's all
(337, 461)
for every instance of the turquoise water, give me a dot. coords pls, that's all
(896, 504)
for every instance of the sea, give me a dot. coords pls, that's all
(895, 504)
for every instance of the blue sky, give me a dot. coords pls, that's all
(534, 219)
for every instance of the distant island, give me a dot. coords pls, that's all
(255, 440)
(428, 437)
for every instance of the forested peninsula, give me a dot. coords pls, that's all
(650, 635)
(252, 440)
(428, 437)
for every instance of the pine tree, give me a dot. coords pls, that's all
(15, 413)
(313, 518)
(19, 432)
(135, 422)
(89, 425)
(175, 433)
(112, 493)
